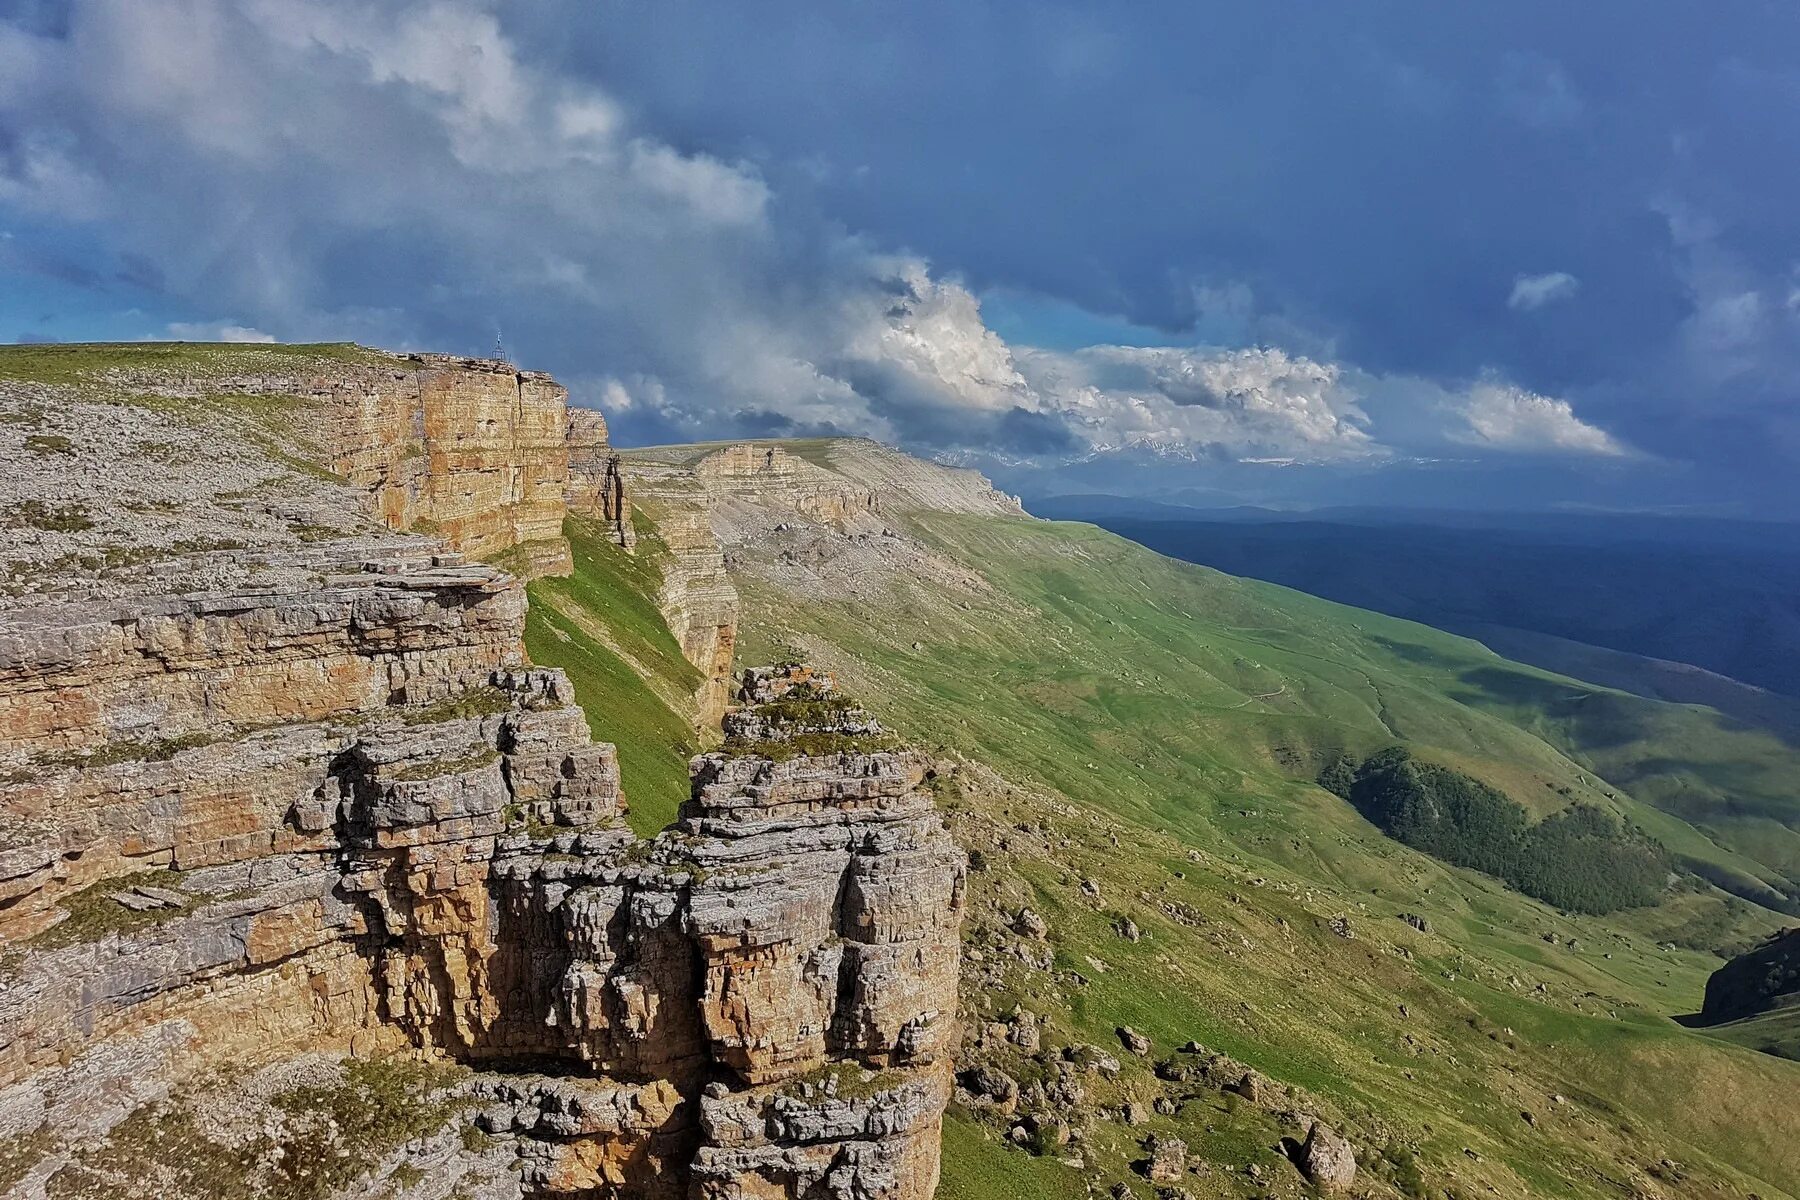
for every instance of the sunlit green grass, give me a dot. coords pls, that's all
(1186, 712)
(1194, 708)
(78, 362)
(601, 625)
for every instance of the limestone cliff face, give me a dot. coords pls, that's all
(597, 485)
(332, 809)
(469, 449)
(454, 877)
(696, 597)
(707, 499)
(769, 474)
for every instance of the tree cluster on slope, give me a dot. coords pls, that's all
(1581, 858)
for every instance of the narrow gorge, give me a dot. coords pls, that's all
(312, 885)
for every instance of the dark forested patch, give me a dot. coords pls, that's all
(1582, 858)
(1765, 977)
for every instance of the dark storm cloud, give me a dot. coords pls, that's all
(1381, 177)
(1407, 234)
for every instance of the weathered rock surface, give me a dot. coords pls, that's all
(232, 470)
(1328, 1160)
(1168, 1160)
(461, 884)
(771, 475)
(473, 450)
(597, 485)
(697, 597)
(837, 522)
(344, 816)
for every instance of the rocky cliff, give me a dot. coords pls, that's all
(596, 476)
(824, 496)
(291, 792)
(696, 595)
(469, 449)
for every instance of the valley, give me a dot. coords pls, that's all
(1152, 729)
(454, 855)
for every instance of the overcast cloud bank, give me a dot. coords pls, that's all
(421, 174)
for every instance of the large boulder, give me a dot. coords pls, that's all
(1328, 1161)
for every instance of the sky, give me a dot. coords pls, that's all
(1530, 255)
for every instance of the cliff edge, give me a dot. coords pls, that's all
(310, 885)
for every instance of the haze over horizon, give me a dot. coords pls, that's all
(1422, 256)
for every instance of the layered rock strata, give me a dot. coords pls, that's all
(597, 486)
(262, 807)
(696, 595)
(472, 450)
(770, 474)
(758, 1002)
(834, 515)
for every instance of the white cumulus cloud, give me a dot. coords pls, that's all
(1252, 403)
(216, 331)
(401, 173)
(1531, 292)
(1504, 417)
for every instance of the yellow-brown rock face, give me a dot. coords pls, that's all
(770, 475)
(469, 449)
(696, 597)
(296, 793)
(597, 486)
(453, 877)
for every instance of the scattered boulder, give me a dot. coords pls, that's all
(1340, 925)
(1127, 929)
(1029, 924)
(1090, 888)
(1328, 1160)
(1416, 921)
(1249, 1087)
(1173, 1071)
(1134, 1041)
(989, 1084)
(1168, 1159)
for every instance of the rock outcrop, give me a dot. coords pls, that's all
(332, 810)
(843, 512)
(597, 486)
(472, 450)
(455, 879)
(1762, 979)
(1328, 1160)
(771, 475)
(697, 598)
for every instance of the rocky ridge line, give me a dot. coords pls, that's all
(334, 810)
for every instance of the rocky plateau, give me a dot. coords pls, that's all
(311, 885)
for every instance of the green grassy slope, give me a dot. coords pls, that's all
(1155, 727)
(1253, 676)
(90, 362)
(601, 625)
(1776, 1032)
(1190, 710)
